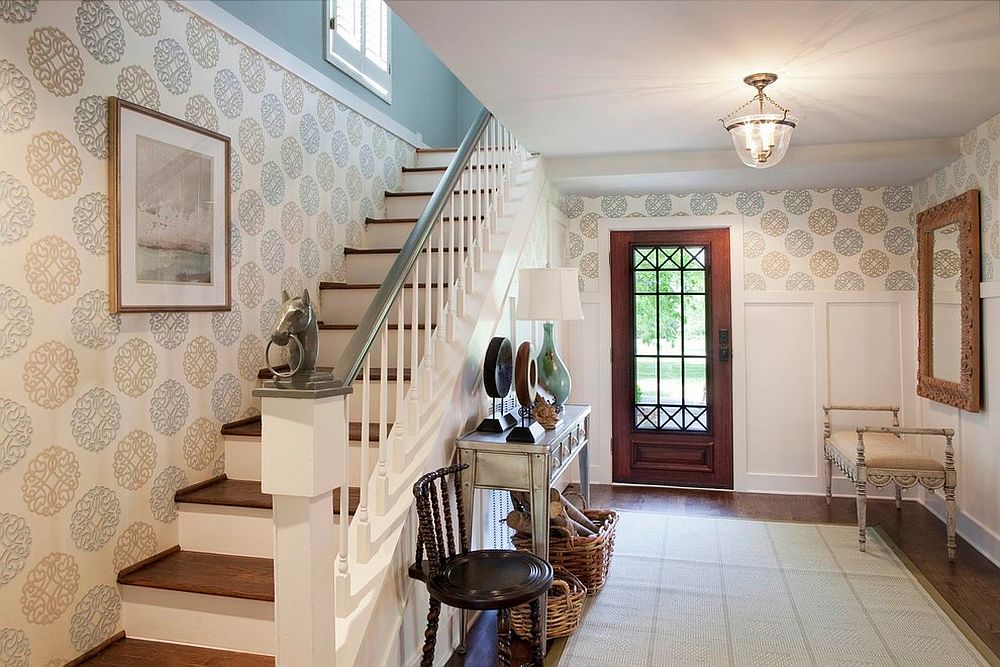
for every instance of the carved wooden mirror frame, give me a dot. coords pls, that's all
(963, 211)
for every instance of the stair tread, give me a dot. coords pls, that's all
(376, 373)
(128, 652)
(428, 193)
(442, 169)
(247, 493)
(350, 286)
(389, 251)
(251, 427)
(241, 577)
(350, 327)
(411, 221)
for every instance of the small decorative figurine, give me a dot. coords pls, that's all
(297, 325)
(526, 388)
(498, 372)
(546, 413)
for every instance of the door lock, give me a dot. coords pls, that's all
(723, 346)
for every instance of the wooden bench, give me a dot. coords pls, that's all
(879, 455)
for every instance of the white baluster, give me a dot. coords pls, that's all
(427, 382)
(364, 527)
(382, 471)
(399, 430)
(441, 260)
(342, 579)
(413, 418)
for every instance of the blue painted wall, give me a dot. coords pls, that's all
(426, 96)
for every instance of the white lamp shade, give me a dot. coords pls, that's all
(548, 294)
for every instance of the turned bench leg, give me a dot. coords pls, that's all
(949, 503)
(829, 480)
(862, 498)
(899, 496)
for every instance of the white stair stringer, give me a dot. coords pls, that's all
(380, 591)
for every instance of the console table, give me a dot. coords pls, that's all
(495, 463)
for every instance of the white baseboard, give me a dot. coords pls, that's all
(979, 536)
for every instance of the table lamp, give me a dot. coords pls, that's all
(548, 295)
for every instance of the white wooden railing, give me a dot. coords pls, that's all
(423, 294)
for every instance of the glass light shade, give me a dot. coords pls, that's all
(762, 139)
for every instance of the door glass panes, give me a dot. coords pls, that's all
(670, 324)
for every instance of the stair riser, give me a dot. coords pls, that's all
(348, 306)
(214, 621)
(354, 402)
(410, 206)
(333, 342)
(238, 531)
(394, 235)
(443, 159)
(435, 159)
(243, 454)
(373, 268)
(418, 181)
(388, 235)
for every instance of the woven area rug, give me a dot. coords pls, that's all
(706, 591)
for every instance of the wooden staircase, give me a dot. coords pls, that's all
(211, 599)
(216, 588)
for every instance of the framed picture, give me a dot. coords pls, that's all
(169, 212)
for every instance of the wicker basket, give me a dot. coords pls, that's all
(564, 609)
(589, 558)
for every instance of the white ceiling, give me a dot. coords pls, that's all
(626, 96)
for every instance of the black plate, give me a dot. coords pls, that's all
(498, 368)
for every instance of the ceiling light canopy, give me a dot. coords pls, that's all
(761, 138)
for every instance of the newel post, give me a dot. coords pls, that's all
(303, 434)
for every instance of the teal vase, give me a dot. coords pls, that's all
(553, 376)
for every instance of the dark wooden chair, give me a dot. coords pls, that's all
(477, 580)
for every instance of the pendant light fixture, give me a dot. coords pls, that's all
(761, 138)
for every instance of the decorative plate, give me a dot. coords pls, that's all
(526, 374)
(498, 368)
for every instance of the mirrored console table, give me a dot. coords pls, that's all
(534, 468)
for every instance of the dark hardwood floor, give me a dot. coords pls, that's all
(971, 584)
(132, 652)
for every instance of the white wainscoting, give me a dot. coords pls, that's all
(791, 353)
(805, 349)
(977, 442)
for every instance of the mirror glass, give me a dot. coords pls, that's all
(946, 315)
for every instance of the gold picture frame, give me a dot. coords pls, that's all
(169, 213)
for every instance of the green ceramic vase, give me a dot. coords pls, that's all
(553, 376)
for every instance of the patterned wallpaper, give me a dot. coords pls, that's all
(103, 417)
(977, 168)
(837, 239)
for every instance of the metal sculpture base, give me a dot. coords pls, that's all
(497, 424)
(533, 432)
(314, 380)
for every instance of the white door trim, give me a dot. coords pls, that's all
(601, 456)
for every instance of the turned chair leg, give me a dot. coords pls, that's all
(862, 537)
(537, 640)
(430, 635)
(949, 503)
(899, 496)
(503, 638)
(829, 480)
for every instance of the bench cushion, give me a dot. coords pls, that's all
(884, 450)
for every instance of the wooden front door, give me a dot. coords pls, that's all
(671, 358)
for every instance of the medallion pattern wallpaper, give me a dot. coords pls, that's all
(835, 239)
(103, 417)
